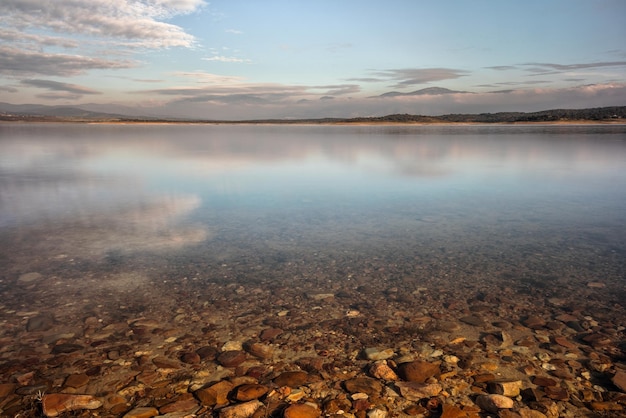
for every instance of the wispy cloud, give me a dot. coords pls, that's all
(234, 31)
(339, 89)
(222, 58)
(17, 62)
(407, 77)
(58, 86)
(9, 89)
(544, 66)
(25, 39)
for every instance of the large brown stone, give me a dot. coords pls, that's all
(55, 404)
(419, 371)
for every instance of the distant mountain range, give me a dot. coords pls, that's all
(93, 113)
(430, 91)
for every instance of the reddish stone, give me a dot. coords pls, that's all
(270, 333)
(564, 342)
(249, 392)
(292, 379)
(419, 371)
(367, 385)
(301, 411)
(231, 358)
(556, 393)
(544, 381)
(77, 380)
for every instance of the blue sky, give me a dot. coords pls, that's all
(240, 59)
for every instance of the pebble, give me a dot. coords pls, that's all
(142, 412)
(493, 403)
(376, 354)
(41, 322)
(231, 358)
(366, 385)
(414, 391)
(249, 392)
(242, 410)
(186, 404)
(216, 394)
(292, 378)
(418, 371)
(619, 380)
(376, 413)
(190, 357)
(472, 320)
(259, 350)
(510, 388)
(380, 370)
(76, 380)
(28, 278)
(270, 333)
(6, 389)
(165, 363)
(301, 411)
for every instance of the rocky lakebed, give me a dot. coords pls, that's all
(385, 341)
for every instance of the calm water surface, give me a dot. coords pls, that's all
(100, 209)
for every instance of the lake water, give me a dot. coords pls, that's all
(303, 227)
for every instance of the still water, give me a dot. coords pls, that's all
(119, 243)
(522, 207)
(518, 198)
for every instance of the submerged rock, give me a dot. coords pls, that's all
(242, 410)
(494, 403)
(55, 404)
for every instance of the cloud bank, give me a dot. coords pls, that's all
(41, 31)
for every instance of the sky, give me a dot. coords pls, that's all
(286, 59)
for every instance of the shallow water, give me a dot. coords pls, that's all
(512, 198)
(243, 226)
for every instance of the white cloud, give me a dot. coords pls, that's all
(138, 21)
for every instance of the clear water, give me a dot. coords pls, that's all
(102, 210)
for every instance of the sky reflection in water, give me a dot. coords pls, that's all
(228, 189)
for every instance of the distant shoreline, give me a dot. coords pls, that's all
(311, 123)
(603, 115)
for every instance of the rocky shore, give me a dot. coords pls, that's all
(362, 347)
